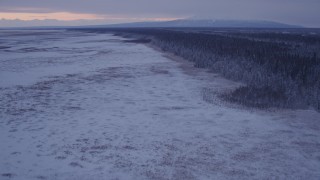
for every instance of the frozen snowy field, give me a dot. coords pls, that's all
(82, 106)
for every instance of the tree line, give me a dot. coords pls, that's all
(279, 70)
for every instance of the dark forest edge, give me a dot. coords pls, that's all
(280, 69)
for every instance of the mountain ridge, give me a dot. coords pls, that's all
(202, 23)
(209, 23)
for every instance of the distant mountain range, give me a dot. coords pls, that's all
(5, 23)
(174, 23)
(209, 23)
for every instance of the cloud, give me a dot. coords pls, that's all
(63, 16)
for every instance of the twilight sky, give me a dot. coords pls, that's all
(300, 12)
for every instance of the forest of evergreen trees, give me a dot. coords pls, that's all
(279, 70)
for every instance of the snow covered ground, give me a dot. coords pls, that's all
(83, 106)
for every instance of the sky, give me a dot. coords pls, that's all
(81, 12)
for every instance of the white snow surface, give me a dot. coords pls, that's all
(85, 106)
